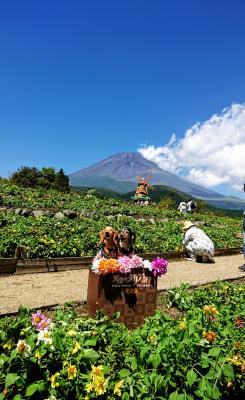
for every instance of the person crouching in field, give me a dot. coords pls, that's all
(198, 245)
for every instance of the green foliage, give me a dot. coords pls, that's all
(46, 178)
(163, 359)
(157, 229)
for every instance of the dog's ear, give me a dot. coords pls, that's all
(115, 237)
(101, 235)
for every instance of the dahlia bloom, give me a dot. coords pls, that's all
(136, 261)
(125, 264)
(108, 266)
(39, 321)
(159, 266)
(23, 348)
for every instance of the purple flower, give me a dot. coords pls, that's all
(159, 266)
(239, 322)
(40, 321)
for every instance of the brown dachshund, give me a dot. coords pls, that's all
(126, 242)
(109, 242)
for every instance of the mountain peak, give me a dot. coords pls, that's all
(119, 173)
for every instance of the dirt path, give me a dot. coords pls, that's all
(44, 289)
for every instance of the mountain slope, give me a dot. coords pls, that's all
(119, 173)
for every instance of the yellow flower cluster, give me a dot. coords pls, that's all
(237, 360)
(210, 311)
(117, 387)
(53, 380)
(71, 371)
(8, 345)
(98, 382)
(182, 325)
(76, 348)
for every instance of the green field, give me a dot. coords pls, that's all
(158, 229)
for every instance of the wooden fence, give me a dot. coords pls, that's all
(27, 266)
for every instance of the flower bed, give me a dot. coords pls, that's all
(201, 355)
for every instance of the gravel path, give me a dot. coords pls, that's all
(45, 289)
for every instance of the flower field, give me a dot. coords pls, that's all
(200, 355)
(157, 229)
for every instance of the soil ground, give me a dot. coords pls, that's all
(53, 288)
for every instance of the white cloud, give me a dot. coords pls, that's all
(210, 153)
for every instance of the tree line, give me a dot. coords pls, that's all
(47, 178)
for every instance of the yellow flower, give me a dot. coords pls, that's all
(76, 348)
(89, 387)
(8, 345)
(117, 388)
(210, 310)
(53, 380)
(182, 326)
(37, 355)
(71, 333)
(100, 386)
(97, 371)
(71, 371)
(152, 338)
(236, 360)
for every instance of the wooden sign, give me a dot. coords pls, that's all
(133, 295)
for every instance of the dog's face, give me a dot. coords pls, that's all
(126, 238)
(109, 237)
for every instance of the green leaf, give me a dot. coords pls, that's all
(215, 351)
(228, 371)
(216, 394)
(174, 395)
(91, 342)
(191, 377)
(33, 388)
(125, 396)
(11, 379)
(123, 373)
(134, 364)
(90, 354)
(17, 397)
(156, 360)
(38, 386)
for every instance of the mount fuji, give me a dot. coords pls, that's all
(119, 172)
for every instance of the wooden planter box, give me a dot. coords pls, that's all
(133, 295)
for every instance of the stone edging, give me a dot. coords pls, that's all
(27, 266)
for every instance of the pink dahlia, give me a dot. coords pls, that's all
(125, 264)
(159, 266)
(136, 262)
(40, 321)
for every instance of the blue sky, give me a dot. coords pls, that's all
(82, 80)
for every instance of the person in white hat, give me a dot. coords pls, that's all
(197, 243)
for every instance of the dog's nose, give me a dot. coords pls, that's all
(107, 234)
